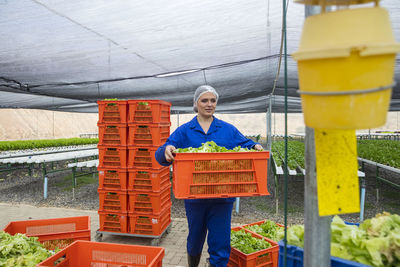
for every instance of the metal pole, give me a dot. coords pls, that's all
(30, 169)
(73, 181)
(237, 205)
(285, 173)
(276, 177)
(316, 229)
(269, 148)
(45, 180)
(363, 187)
(269, 141)
(377, 184)
(266, 130)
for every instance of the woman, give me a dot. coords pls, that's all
(212, 215)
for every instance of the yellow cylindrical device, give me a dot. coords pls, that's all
(346, 65)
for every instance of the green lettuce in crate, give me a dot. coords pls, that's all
(295, 235)
(346, 241)
(211, 146)
(268, 228)
(246, 243)
(20, 250)
(376, 242)
(383, 239)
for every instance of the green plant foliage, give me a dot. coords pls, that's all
(295, 153)
(268, 228)
(295, 235)
(246, 243)
(211, 146)
(30, 144)
(382, 151)
(20, 250)
(376, 242)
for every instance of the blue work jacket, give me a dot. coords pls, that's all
(191, 134)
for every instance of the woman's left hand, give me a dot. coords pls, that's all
(258, 147)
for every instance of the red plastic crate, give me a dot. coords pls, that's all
(148, 202)
(149, 225)
(113, 156)
(148, 134)
(113, 111)
(88, 254)
(113, 134)
(113, 221)
(143, 157)
(258, 223)
(52, 233)
(216, 175)
(144, 180)
(155, 111)
(113, 179)
(113, 201)
(265, 258)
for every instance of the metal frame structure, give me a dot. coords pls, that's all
(42, 158)
(378, 177)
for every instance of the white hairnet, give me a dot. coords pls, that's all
(200, 91)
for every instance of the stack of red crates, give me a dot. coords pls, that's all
(113, 167)
(134, 190)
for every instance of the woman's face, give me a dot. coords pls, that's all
(206, 104)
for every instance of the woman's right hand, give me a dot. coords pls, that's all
(169, 155)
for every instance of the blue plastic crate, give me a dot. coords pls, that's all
(294, 258)
(350, 223)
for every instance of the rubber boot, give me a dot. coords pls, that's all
(193, 261)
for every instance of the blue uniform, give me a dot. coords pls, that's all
(213, 215)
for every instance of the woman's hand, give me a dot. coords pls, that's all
(258, 147)
(169, 156)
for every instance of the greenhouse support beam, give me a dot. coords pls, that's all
(316, 228)
(317, 233)
(269, 117)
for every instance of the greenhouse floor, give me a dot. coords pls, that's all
(174, 242)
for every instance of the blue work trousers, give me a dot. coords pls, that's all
(216, 218)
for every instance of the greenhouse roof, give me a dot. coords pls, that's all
(66, 55)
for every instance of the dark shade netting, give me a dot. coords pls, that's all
(66, 55)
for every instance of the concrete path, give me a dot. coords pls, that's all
(174, 242)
